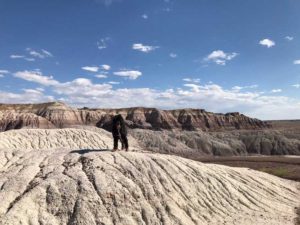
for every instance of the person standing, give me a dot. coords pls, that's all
(119, 132)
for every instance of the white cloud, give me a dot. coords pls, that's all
(41, 55)
(252, 86)
(4, 71)
(267, 42)
(113, 82)
(297, 62)
(289, 38)
(36, 54)
(193, 80)
(82, 90)
(145, 16)
(173, 55)
(27, 96)
(101, 76)
(90, 68)
(239, 88)
(296, 85)
(40, 89)
(17, 56)
(194, 87)
(33, 91)
(167, 9)
(131, 74)
(212, 97)
(37, 77)
(47, 53)
(144, 48)
(220, 57)
(30, 59)
(105, 67)
(107, 2)
(276, 90)
(102, 44)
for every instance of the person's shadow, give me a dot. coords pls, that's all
(85, 151)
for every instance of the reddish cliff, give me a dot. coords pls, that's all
(56, 114)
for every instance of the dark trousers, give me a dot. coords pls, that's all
(123, 140)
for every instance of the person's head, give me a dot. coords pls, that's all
(119, 117)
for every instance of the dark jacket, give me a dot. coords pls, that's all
(123, 130)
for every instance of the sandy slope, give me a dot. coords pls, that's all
(63, 186)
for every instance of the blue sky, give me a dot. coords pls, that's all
(222, 56)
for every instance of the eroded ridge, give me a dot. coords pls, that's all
(65, 187)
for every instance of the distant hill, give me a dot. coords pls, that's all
(60, 115)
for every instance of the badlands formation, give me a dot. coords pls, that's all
(230, 143)
(68, 176)
(187, 131)
(59, 115)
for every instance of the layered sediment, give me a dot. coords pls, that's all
(60, 115)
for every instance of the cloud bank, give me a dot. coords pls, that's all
(212, 97)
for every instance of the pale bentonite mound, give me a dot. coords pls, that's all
(63, 186)
(84, 138)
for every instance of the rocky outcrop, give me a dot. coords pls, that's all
(182, 119)
(195, 144)
(11, 120)
(63, 186)
(56, 113)
(61, 115)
